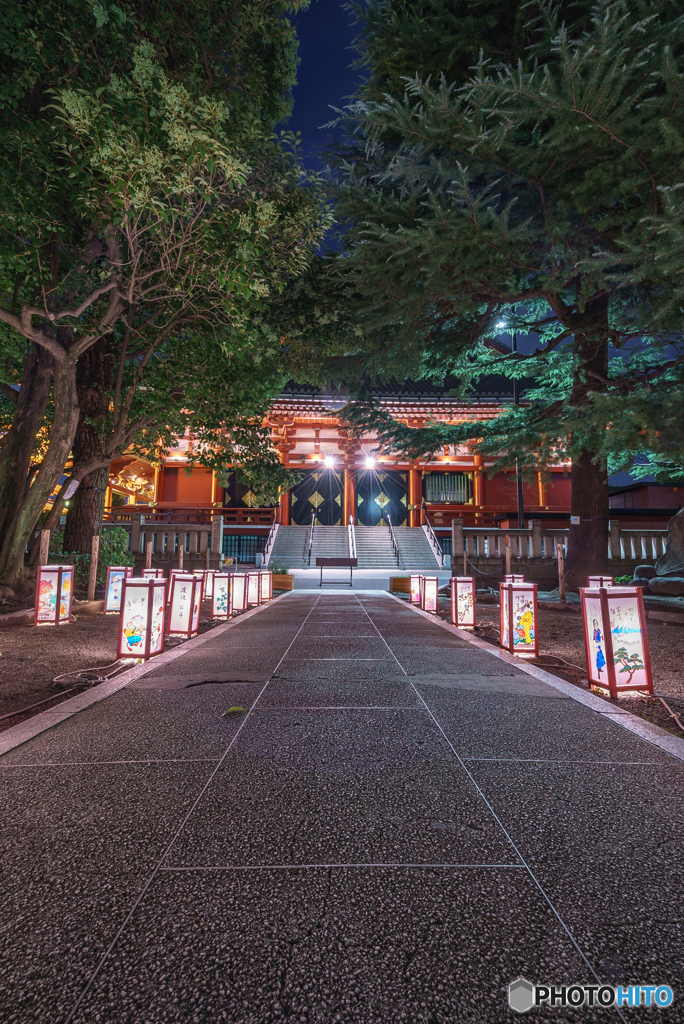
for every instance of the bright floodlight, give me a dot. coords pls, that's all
(328, 461)
(370, 463)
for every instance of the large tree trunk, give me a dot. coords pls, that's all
(93, 378)
(18, 529)
(588, 539)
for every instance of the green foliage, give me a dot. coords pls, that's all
(113, 551)
(278, 569)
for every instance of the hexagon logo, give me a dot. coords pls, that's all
(521, 995)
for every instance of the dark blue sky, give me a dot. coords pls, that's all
(324, 78)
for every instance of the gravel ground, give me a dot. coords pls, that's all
(561, 636)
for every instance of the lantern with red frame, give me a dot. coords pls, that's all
(222, 596)
(153, 574)
(141, 619)
(266, 584)
(254, 588)
(238, 585)
(463, 601)
(600, 581)
(429, 594)
(415, 588)
(615, 639)
(209, 583)
(519, 619)
(116, 574)
(54, 592)
(514, 578)
(185, 598)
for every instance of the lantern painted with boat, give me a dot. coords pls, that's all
(518, 619)
(141, 618)
(615, 639)
(600, 581)
(463, 601)
(116, 574)
(429, 594)
(185, 598)
(54, 593)
(414, 588)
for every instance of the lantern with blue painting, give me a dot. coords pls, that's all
(222, 596)
(518, 619)
(463, 601)
(414, 587)
(54, 593)
(185, 598)
(599, 581)
(615, 639)
(116, 574)
(429, 594)
(141, 618)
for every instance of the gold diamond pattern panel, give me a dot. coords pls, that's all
(382, 500)
(316, 499)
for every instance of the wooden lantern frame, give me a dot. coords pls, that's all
(153, 574)
(459, 585)
(415, 589)
(427, 582)
(209, 583)
(217, 589)
(514, 577)
(154, 588)
(266, 584)
(253, 589)
(40, 618)
(195, 601)
(127, 571)
(238, 588)
(605, 597)
(507, 592)
(600, 581)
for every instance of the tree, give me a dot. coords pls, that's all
(541, 195)
(142, 196)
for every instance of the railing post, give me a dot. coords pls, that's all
(216, 538)
(614, 531)
(135, 534)
(536, 538)
(92, 575)
(456, 545)
(44, 547)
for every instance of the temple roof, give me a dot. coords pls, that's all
(496, 388)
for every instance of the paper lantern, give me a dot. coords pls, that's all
(519, 619)
(54, 593)
(238, 585)
(222, 596)
(209, 583)
(254, 588)
(116, 574)
(463, 601)
(414, 588)
(615, 639)
(429, 595)
(153, 574)
(513, 578)
(599, 581)
(266, 584)
(185, 598)
(141, 619)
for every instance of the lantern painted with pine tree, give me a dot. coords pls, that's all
(615, 639)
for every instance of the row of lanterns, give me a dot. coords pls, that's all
(613, 619)
(148, 604)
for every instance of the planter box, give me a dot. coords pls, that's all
(400, 584)
(283, 581)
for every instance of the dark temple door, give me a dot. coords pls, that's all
(319, 491)
(380, 493)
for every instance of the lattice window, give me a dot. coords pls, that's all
(447, 488)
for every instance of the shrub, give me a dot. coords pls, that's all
(113, 551)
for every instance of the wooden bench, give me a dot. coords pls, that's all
(336, 563)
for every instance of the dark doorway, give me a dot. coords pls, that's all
(320, 492)
(380, 493)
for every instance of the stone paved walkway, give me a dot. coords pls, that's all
(397, 826)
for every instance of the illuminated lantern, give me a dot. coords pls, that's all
(222, 596)
(254, 588)
(238, 585)
(463, 601)
(185, 598)
(599, 581)
(519, 619)
(116, 574)
(209, 583)
(513, 578)
(153, 574)
(266, 584)
(54, 592)
(141, 619)
(414, 588)
(429, 594)
(615, 639)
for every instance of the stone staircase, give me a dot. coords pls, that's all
(329, 542)
(374, 547)
(414, 549)
(290, 546)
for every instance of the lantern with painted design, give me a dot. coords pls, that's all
(254, 588)
(266, 584)
(414, 588)
(429, 594)
(209, 583)
(185, 598)
(519, 619)
(141, 618)
(514, 578)
(615, 639)
(599, 581)
(153, 574)
(463, 601)
(238, 585)
(116, 574)
(222, 596)
(54, 592)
